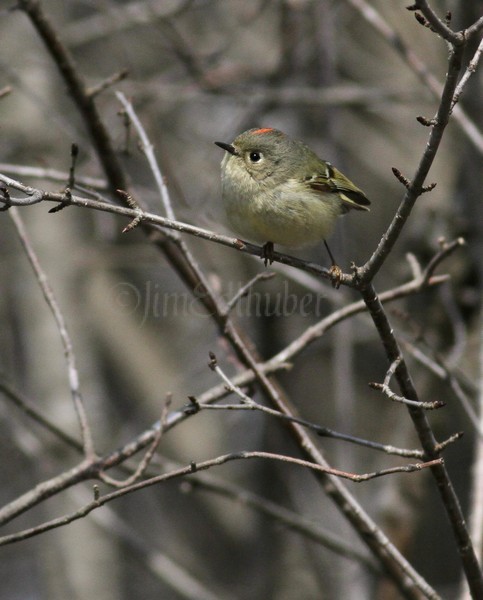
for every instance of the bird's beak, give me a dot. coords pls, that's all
(228, 147)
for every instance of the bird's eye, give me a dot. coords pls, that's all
(255, 156)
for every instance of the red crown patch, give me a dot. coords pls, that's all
(263, 130)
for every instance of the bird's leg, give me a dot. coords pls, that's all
(335, 271)
(267, 253)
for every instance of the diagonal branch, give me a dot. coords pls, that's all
(202, 466)
(49, 296)
(79, 91)
(428, 442)
(418, 66)
(437, 25)
(390, 237)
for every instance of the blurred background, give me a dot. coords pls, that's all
(200, 71)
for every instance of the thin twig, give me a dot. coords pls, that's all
(148, 150)
(35, 195)
(201, 466)
(428, 442)
(451, 440)
(107, 83)
(373, 265)
(28, 407)
(438, 366)
(438, 25)
(51, 174)
(244, 289)
(146, 460)
(385, 389)
(79, 92)
(470, 69)
(376, 20)
(49, 296)
(135, 206)
(292, 521)
(446, 249)
(248, 403)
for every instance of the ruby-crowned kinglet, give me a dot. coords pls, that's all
(276, 190)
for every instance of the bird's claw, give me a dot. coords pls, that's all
(267, 253)
(335, 273)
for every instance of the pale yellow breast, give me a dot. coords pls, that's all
(285, 215)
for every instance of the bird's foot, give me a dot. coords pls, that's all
(267, 253)
(335, 274)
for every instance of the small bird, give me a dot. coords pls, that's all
(276, 190)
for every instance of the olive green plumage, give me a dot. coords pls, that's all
(278, 190)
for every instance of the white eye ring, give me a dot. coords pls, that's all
(255, 156)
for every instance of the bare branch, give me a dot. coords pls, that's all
(451, 440)
(28, 408)
(202, 466)
(78, 89)
(294, 522)
(244, 290)
(146, 460)
(438, 25)
(470, 69)
(51, 174)
(369, 270)
(72, 372)
(148, 150)
(35, 196)
(135, 206)
(107, 83)
(428, 441)
(385, 389)
(248, 403)
(376, 20)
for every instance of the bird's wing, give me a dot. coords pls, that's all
(333, 181)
